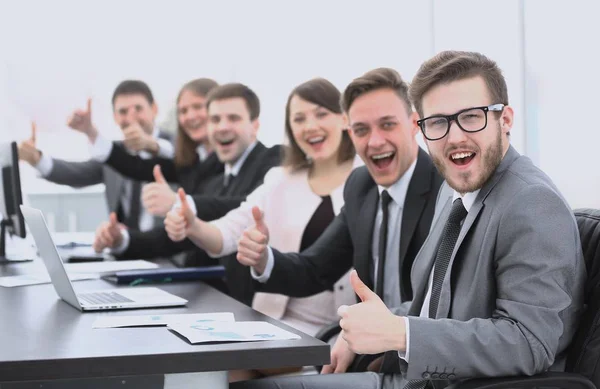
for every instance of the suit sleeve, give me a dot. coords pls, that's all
(317, 268)
(75, 174)
(538, 269)
(154, 244)
(137, 168)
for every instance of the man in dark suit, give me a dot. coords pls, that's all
(134, 111)
(394, 192)
(498, 284)
(233, 111)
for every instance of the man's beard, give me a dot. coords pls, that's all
(466, 182)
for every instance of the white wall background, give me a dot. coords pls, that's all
(55, 54)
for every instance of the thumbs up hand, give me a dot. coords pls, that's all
(252, 246)
(369, 327)
(28, 150)
(81, 120)
(180, 221)
(108, 234)
(137, 139)
(157, 197)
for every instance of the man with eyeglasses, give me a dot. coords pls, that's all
(498, 284)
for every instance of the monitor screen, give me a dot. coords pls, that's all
(11, 189)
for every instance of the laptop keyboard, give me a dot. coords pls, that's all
(103, 298)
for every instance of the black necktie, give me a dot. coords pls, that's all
(385, 201)
(227, 180)
(133, 218)
(442, 259)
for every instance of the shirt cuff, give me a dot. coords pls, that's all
(44, 166)
(190, 201)
(263, 278)
(100, 150)
(165, 148)
(404, 354)
(120, 249)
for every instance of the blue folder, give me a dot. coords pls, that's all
(166, 274)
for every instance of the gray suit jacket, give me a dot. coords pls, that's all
(513, 291)
(91, 172)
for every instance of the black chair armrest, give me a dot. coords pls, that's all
(327, 333)
(362, 362)
(551, 379)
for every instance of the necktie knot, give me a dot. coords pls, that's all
(385, 199)
(228, 178)
(458, 212)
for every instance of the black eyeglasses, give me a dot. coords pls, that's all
(469, 120)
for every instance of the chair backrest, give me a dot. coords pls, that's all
(584, 352)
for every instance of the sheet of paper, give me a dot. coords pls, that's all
(161, 320)
(39, 278)
(108, 266)
(241, 331)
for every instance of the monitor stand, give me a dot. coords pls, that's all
(14, 257)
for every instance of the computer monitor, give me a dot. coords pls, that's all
(10, 200)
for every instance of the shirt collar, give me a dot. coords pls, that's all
(398, 189)
(202, 153)
(468, 199)
(234, 169)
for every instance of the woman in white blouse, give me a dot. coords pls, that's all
(298, 200)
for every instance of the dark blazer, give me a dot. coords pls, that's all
(347, 241)
(189, 178)
(215, 202)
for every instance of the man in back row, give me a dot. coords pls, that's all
(134, 111)
(497, 284)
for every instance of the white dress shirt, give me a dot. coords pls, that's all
(468, 200)
(397, 192)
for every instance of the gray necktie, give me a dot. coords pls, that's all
(449, 238)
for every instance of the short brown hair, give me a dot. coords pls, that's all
(323, 93)
(133, 87)
(380, 78)
(449, 66)
(185, 147)
(232, 90)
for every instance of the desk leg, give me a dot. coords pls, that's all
(206, 380)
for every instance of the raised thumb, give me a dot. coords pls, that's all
(33, 132)
(362, 290)
(185, 207)
(259, 220)
(113, 219)
(158, 176)
(89, 106)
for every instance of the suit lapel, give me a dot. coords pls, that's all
(446, 293)
(415, 197)
(424, 261)
(248, 169)
(368, 212)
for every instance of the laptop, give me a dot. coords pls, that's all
(122, 298)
